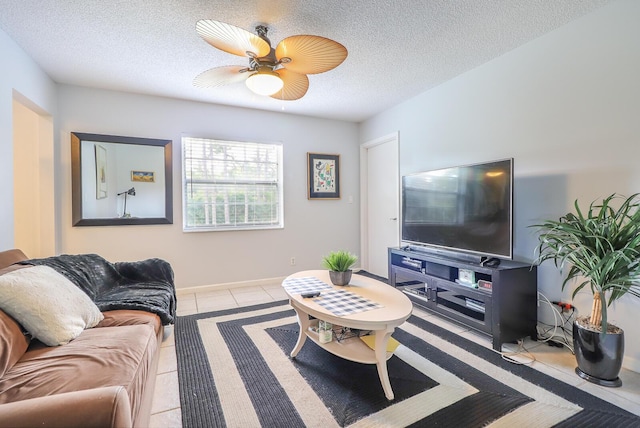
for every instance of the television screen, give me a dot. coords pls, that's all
(464, 208)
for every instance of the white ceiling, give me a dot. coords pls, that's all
(397, 48)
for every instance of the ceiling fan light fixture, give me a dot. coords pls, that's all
(280, 73)
(264, 82)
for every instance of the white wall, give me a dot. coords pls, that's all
(20, 79)
(312, 228)
(566, 107)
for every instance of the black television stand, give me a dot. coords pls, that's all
(500, 301)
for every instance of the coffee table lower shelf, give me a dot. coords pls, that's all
(352, 349)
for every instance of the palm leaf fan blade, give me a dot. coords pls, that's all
(231, 39)
(310, 54)
(220, 76)
(295, 85)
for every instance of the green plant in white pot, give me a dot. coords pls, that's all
(339, 264)
(602, 249)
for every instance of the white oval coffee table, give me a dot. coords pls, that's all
(396, 308)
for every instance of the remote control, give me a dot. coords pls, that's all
(312, 294)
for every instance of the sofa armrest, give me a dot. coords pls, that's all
(9, 257)
(93, 408)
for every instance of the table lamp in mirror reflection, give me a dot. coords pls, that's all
(130, 192)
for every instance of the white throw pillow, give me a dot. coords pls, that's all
(48, 305)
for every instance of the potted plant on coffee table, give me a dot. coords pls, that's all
(339, 264)
(602, 249)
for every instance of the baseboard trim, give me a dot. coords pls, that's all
(631, 363)
(228, 285)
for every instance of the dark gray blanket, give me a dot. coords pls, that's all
(145, 285)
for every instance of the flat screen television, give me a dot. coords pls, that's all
(463, 209)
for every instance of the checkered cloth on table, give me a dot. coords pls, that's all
(343, 302)
(307, 284)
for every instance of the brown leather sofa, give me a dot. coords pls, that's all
(103, 378)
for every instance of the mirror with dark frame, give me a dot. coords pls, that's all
(120, 180)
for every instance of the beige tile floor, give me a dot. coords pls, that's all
(556, 362)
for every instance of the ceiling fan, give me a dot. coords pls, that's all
(280, 73)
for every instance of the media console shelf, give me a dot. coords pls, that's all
(500, 301)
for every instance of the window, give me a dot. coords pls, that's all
(230, 185)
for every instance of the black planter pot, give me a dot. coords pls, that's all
(599, 358)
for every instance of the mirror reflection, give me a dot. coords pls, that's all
(120, 180)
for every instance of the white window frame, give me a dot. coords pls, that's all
(186, 181)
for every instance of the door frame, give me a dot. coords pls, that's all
(364, 188)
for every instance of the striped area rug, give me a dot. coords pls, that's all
(234, 370)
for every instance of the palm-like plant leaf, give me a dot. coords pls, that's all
(339, 261)
(603, 247)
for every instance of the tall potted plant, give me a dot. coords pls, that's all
(602, 249)
(339, 264)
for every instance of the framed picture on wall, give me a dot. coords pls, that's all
(101, 172)
(323, 176)
(143, 176)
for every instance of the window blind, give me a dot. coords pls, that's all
(231, 185)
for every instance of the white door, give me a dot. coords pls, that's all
(382, 183)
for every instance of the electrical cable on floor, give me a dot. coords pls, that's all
(559, 340)
(559, 323)
(520, 352)
(556, 334)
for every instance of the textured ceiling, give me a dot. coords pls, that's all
(397, 48)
